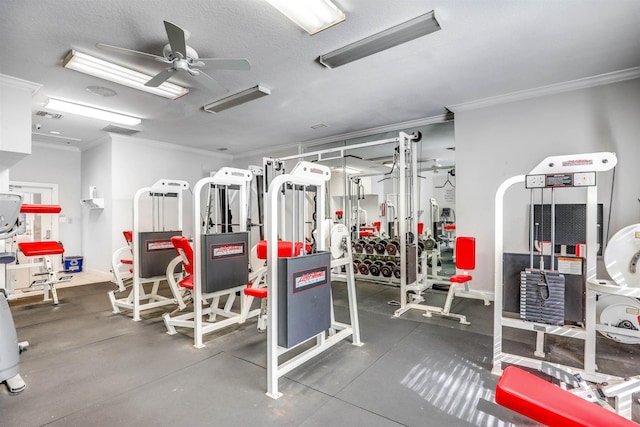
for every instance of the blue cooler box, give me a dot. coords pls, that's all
(73, 264)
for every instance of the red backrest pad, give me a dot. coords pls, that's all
(128, 236)
(548, 404)
(40, 209)
(466, 253)
(284, 249)
(182, 244)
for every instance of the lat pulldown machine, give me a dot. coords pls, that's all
(300, 304)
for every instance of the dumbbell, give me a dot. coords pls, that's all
(374, 268)
(363, 267)
(359, 246)
(397, 272)
(381, 246)
(387, 269)
(369, 247)
(392, 247)
(355, 264)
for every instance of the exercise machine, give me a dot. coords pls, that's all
(10, 348)
(39, 255)
(555, 173)
(152, 251)
(218, 261)
(299, 302)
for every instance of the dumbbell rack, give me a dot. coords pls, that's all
(378, 260)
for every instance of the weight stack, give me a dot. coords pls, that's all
(542, 296)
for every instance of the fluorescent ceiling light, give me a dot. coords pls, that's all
(87, 64)
(94, 113)
(48, 135)
(237, 99)
(394, 36)
(312, 15)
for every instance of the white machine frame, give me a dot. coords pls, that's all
(195, 319)
(408, 217)
(305, 174)
(46, 286)
(578, 163)
(134, 301)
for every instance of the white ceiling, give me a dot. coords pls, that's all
(485, 48)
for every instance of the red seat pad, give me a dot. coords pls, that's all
(460, 278)
(449, 226)
(40, 209)
(284, 249)
(41, 248)
(187, 282)
(256, 292)
(548, 404)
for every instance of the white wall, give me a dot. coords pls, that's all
(496, 142)
(57, 165)
(96, 170)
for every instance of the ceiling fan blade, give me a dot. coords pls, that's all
(225, 64)
(208, 82)
(160, 78)
(129, 52)
(177, 39)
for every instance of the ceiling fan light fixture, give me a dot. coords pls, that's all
(391, 37)
(102, 69)
(237, 99)
(91, 112)
(312, 16)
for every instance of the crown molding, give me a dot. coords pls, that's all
(170, 146)
(297, 146)
(380, 129)
(19, 83)
(599, 80)
(54, 146)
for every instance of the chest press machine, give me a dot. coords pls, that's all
(300, 303)
(152, 252)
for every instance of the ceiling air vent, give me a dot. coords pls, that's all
(120, 130)
(48, 115)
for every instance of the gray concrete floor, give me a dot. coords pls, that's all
(89, 367)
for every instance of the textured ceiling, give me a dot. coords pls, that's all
(485, 48)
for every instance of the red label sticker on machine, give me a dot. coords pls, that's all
(158, 245)
(307, 279)
(227, 250)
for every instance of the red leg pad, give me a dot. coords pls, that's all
(548, 404)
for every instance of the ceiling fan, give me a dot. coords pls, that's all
(183, 60)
